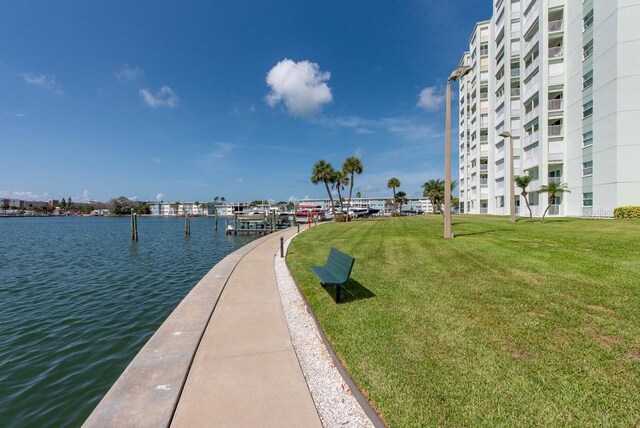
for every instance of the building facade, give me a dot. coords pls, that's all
(561, 77)
(417, 205)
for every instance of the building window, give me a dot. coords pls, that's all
(587, 199)
(534, 198)
(587, 169)
(587, 139)
(587, 80)
(587, 109)
(587, 21)
(587, 50)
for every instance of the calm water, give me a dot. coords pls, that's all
(78, 300)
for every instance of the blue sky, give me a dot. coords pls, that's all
(190, 100)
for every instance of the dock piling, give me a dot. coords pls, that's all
(134, 226)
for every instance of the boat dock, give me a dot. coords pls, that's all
(257, 224)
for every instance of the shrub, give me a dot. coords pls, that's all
(627, 212)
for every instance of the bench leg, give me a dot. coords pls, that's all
(338, 293)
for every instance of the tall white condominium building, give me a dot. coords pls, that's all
(563, 78)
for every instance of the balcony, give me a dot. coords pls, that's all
(531, 17)
(531, 161)
(533, 65)
(531, 138)
(556, 180)
(555, 25)
(515, 73)
(531, 88)
(554, 131)
(484, 150)
(556, 52)
(515, 92)
(555, 104)
(484, 139)
(532, 114)
(484, 167)
(529, 45)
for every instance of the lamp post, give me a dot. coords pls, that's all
(459, 72)
(512, 194)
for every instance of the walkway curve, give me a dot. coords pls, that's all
(148, 391)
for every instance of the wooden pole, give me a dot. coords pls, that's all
(216, 214)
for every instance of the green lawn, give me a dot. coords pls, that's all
(522, 324)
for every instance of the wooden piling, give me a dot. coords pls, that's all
(134, 226)
(187, 224)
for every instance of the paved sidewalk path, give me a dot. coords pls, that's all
(245, 371)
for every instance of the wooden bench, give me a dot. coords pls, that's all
(336, 271)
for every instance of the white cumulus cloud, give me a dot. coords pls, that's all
(43, 80)
(126, 72)
(430, 98)
(165, 97)
(300, 85)
(160, 197)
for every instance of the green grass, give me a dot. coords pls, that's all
(522, 324)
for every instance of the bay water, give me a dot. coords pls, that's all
(79, 299)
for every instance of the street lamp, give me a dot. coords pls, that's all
(512, 195)
(458, 73)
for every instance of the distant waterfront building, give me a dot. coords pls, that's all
(174, 209)
(422, 205)
(12, 203)
(562, 77)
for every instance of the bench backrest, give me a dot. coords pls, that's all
(340, 264)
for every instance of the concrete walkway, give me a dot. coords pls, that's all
(245, 372)
(224, 356)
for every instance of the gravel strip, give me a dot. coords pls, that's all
(336, 404)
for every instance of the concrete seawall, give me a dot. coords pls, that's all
(148, 391)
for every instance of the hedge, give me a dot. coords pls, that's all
(627, 212)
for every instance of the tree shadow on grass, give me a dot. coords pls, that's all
(480, 232)
(350, 291)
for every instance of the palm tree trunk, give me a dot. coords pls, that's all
(326, 184)
(394, 198)
(350, 190)
(526, 201)
(545, 213)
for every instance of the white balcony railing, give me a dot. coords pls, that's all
(531, 114)
(555, 25)
(484, 167)
(556, 52)
(554, 130)
(531, 138)
(555, 104)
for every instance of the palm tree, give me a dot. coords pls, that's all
(323, 172)
(522, 181)
(393, 183)
(340, 180)
(434, 190)
(353, 166)
(553, 189)
(401, 199)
